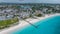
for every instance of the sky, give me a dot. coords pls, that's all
(30, 1)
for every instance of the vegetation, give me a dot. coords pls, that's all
(7, 23)
(39, 15)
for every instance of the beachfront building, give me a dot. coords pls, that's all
(44, 10)
(24, 15)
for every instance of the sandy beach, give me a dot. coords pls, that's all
(23, 23)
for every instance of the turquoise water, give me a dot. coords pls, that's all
(47, 26)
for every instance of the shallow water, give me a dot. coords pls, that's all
(47, 26)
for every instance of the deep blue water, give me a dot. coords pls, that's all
(47, 26)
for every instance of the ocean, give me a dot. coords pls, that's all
(49, 25)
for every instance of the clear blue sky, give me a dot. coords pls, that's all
(31, 1)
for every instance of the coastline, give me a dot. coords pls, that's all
(24, 23)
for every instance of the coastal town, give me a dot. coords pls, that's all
(11, 14)
(24, 11)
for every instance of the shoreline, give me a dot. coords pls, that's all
(23, 23)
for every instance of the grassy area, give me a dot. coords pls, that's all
(7, 23)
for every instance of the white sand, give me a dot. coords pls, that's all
(24, 23)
